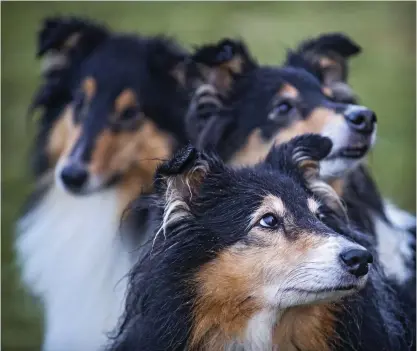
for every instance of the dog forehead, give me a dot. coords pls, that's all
(117, 65)
(266, 182)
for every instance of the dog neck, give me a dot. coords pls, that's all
(300, 328)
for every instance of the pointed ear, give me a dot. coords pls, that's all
(300, 158)
(221, 63)
(327, 57)
(63, 43)
(167, 57)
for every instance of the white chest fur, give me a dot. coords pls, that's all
(73, 258)
(394, 249)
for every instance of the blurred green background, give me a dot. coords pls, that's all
(383, 76)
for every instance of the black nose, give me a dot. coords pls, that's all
(356, 261)
(361, 120)
(74, 177)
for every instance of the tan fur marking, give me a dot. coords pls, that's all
(327, 91)
(220, 77)
(235, 64)
(255, 150)
(256, 147)
(326, 62)
(58, 136)
(135, 154)
(288, 90)
(314, 123)
(225, 300)
(332, 70)
(309, 327)
(338, 185)
(89, 87)
(230, 288)
(127, 98)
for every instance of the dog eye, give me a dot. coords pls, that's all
(284, 107)
(320, 216)
(269, 221)
(128, 114)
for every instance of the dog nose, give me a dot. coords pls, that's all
(361, 120)
(356, 261)
(74, 177)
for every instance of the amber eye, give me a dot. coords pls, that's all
(269, 221)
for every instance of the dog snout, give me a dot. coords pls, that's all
(74, 176)
(361, 119)
(356, 261)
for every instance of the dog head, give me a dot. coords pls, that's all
(244, 108)
(113, 103)
(326, 57)
(236, 242)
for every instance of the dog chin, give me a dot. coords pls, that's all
(338, 167)
(296, 296)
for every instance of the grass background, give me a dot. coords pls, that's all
(383, 76)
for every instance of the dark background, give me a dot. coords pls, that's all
(383, 76)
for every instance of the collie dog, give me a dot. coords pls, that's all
(113, 107)
(244, 108)
(256, 258)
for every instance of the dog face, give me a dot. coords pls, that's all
(262, 106)
(236, 242)
(273, 245)
(124, 106)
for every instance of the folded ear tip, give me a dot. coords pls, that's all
(319, 146)
(327, 145)
(182, 160)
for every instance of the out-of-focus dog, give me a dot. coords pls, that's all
(113, 107)
(244, 108)
(255, 258)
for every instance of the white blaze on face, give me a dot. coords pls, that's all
(342, 137)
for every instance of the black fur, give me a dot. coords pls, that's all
(250, 101)
(161, 295)
(116, 61)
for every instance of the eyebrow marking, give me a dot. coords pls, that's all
(125, 99)
(89, 87)
(312, 205)
(287, 90)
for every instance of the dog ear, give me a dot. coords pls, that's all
(63, 43)
(220, 64)
(327, 58)
(183, 174)
(167, 57)
(300, 158)
(301, 154)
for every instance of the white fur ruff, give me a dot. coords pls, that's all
(394, 250)
(399, 217)
(73, 259)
